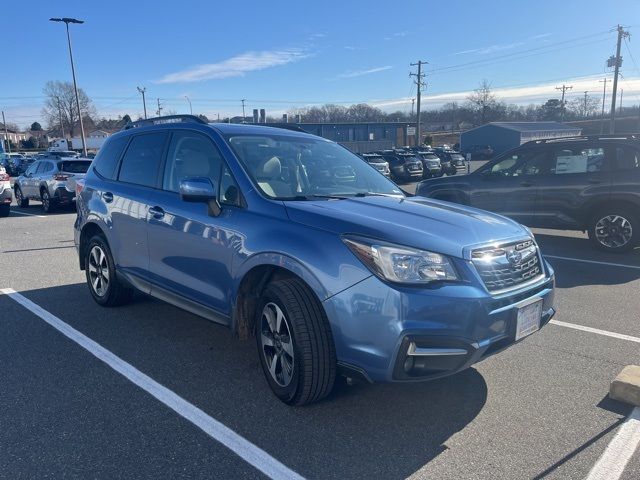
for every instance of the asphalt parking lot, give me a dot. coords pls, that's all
(537, 410)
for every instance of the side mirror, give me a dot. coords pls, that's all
(200, 190)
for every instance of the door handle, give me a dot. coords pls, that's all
(526, 184)
(156, 212)
(107, 197)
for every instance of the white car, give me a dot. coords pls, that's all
(6, 195)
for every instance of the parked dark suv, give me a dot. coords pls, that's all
(293, 239)
(589, 183)
(404, 166)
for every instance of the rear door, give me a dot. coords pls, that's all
(26, 182)
(509, 186)
(127, 202)
(579, 175)
(625, 184)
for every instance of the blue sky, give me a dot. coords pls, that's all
(284, 54)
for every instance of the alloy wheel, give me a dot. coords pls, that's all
(45, 200)
(98, 271)
(277, 344)
(613, 231)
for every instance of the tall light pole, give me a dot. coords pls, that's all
(6, 133)
(190, 109)
(67, 21)
(144, 102)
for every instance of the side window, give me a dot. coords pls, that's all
(32, 169)
(627, 158)
(48, 167)
(109, 155)
(508, 166)
(582, 159)
(142, 160)
(537, 163)
(190, 154)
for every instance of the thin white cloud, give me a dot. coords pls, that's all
(491, 48)
(317, 35)
(360, 73)
(542, 35)
(396, 35)
(237, 66)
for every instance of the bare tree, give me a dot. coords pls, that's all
(578, 108)
(61, 101)
(482, 100)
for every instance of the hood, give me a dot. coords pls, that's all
(433, 225)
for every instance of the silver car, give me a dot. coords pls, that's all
(5, 192)
(52, 181)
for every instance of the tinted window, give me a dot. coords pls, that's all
(229, 192)
(48, 167)
(71, 166)
(142, 160)
(32, 169)
(627, 158)
(580, 159)
(108, 156)
(190, 155)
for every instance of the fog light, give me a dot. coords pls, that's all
(408, 364)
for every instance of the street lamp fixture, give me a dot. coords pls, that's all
(67, 21)
(190, 109)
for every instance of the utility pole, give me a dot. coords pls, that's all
(419, 83)
(159, 112)
(67, 21)
(620, 107)
(604, 95)
(6, 133)
(144, 102)
(617, 63)
(243, 100)
(190, 109)
(60, 115)
(413, 100)
(564, 88)
(218, 117)
(585, 103)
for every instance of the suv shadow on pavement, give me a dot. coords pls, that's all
(360, 431)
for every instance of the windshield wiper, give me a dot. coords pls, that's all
(313, 196)
(377, 194)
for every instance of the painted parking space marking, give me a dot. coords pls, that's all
(596, 262)
(606, 333)
(243, 448)
(614, 459)
(28, 214)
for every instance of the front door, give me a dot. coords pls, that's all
(509, 186)
(190, 250)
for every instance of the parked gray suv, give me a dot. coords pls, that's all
(51, 181)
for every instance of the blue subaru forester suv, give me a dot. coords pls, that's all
(292, 239)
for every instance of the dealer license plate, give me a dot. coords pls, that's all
(528, 320)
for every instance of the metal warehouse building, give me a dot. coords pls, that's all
(503, 136)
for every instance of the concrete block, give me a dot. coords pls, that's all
(626, 386)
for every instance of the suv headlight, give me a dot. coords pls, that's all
(400, 264)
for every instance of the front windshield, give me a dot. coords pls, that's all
(287, 168)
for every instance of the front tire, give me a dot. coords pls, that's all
(295, 344)
(615, 229)
(21, 201)
(101, 276)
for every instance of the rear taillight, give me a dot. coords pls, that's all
(60, 177)
(79, 187)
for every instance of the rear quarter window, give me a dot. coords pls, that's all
(109, 155)
(74, 166)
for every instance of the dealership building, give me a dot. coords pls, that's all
(503, 136)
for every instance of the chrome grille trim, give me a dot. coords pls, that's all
(508, 266)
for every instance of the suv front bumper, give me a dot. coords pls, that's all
(394, 334)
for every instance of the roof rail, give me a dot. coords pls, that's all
(162, 120)
(623, 136)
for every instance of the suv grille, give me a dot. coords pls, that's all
(508, 266)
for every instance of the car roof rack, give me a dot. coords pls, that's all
(162, 120)
(613, 136)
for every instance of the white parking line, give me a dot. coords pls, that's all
(28, 214)
(246, 450)
(606, 333)
(618, 453)
(582, 260)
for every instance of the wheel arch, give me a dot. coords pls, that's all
(595, 206)
(89, 230)
(255, 277)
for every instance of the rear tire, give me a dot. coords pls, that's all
(48, 204)
(20, 200)
(5, 209)
(615, 229)
(294, 342)
(105, 287)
